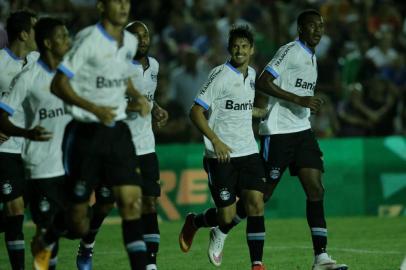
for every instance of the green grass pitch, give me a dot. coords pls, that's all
(363, 243)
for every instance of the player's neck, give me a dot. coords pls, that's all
(115, 31)
(50, 60)
(307, 44)
(143, 60)
(242, 68)
(19, 49)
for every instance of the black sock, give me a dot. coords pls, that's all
(151, 236)
(14, 237)
(95, 224)
(135, 245)
(256, 238)
(207, 219)
(317, 224)
(236, 220)
(54, 256)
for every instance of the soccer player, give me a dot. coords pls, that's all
(144, 78)
(93, 80)
(286, 136)
(20, 31)
(231, 157)
(289, 81)
(403, 266)
(45, 121)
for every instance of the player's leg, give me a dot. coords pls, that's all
(128, 200)
(99, 211)
(12, 185)
(223, 179)
(126, 183)
(403, 266)
(46, 200)
(252, 183)
(309, 167)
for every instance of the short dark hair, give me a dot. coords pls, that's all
(301, 19)
(17, 22)
(241, 31)
(44, 29)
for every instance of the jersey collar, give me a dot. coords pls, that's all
(45, 66)
(228, 64)
(12, 55)
(104, 32)
(307, 49)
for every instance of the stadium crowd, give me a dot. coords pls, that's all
(361, 57)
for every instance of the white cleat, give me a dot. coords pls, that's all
(216, 244)
(151, 267)
(325, 262)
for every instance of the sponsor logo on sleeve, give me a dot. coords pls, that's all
(210, 80)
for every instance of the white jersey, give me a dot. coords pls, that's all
(295, 69)
(99, 70)
(229, 98)
(41, 107)
(10, 66)
(141, 127)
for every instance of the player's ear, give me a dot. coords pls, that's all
(252, 50)
(47, 44)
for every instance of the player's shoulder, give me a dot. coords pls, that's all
(290, 47)
(87, 33)
(130, 39)
(252, 71)
(154, 64)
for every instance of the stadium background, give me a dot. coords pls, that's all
(362, 127)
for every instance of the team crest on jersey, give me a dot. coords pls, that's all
(154, 77)
(44, 205)
(275, 173)
(225, 194)
(80, 189)
(6, 188)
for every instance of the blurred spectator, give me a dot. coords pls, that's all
(383, 54)
(187, 79)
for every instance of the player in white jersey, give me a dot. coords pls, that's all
(286, 136)
(42, 110)
(145, 70)
(93, 79)
(12, 182)
(231, 154)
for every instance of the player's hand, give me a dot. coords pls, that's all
(105, 114)
(311, 102)
(222, 150)
(39, 133)
(3, 138)
(160, 116)
(139, 105)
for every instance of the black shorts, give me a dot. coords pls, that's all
(46, 197)
(296, 150)
(96, 155)
(12, 180)
(227, 180)
(149, 169)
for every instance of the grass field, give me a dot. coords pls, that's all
(362, 243)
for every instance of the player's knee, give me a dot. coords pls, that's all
(149, 205)
(226, 216)
(130, 208)
(79, 227)
(15, 207)
(316, 193)
(255, 207)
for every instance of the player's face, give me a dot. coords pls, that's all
(116, 11)
(60, 41)
(30, 42)
(312, 30)
(241, 51)
(144, 40)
